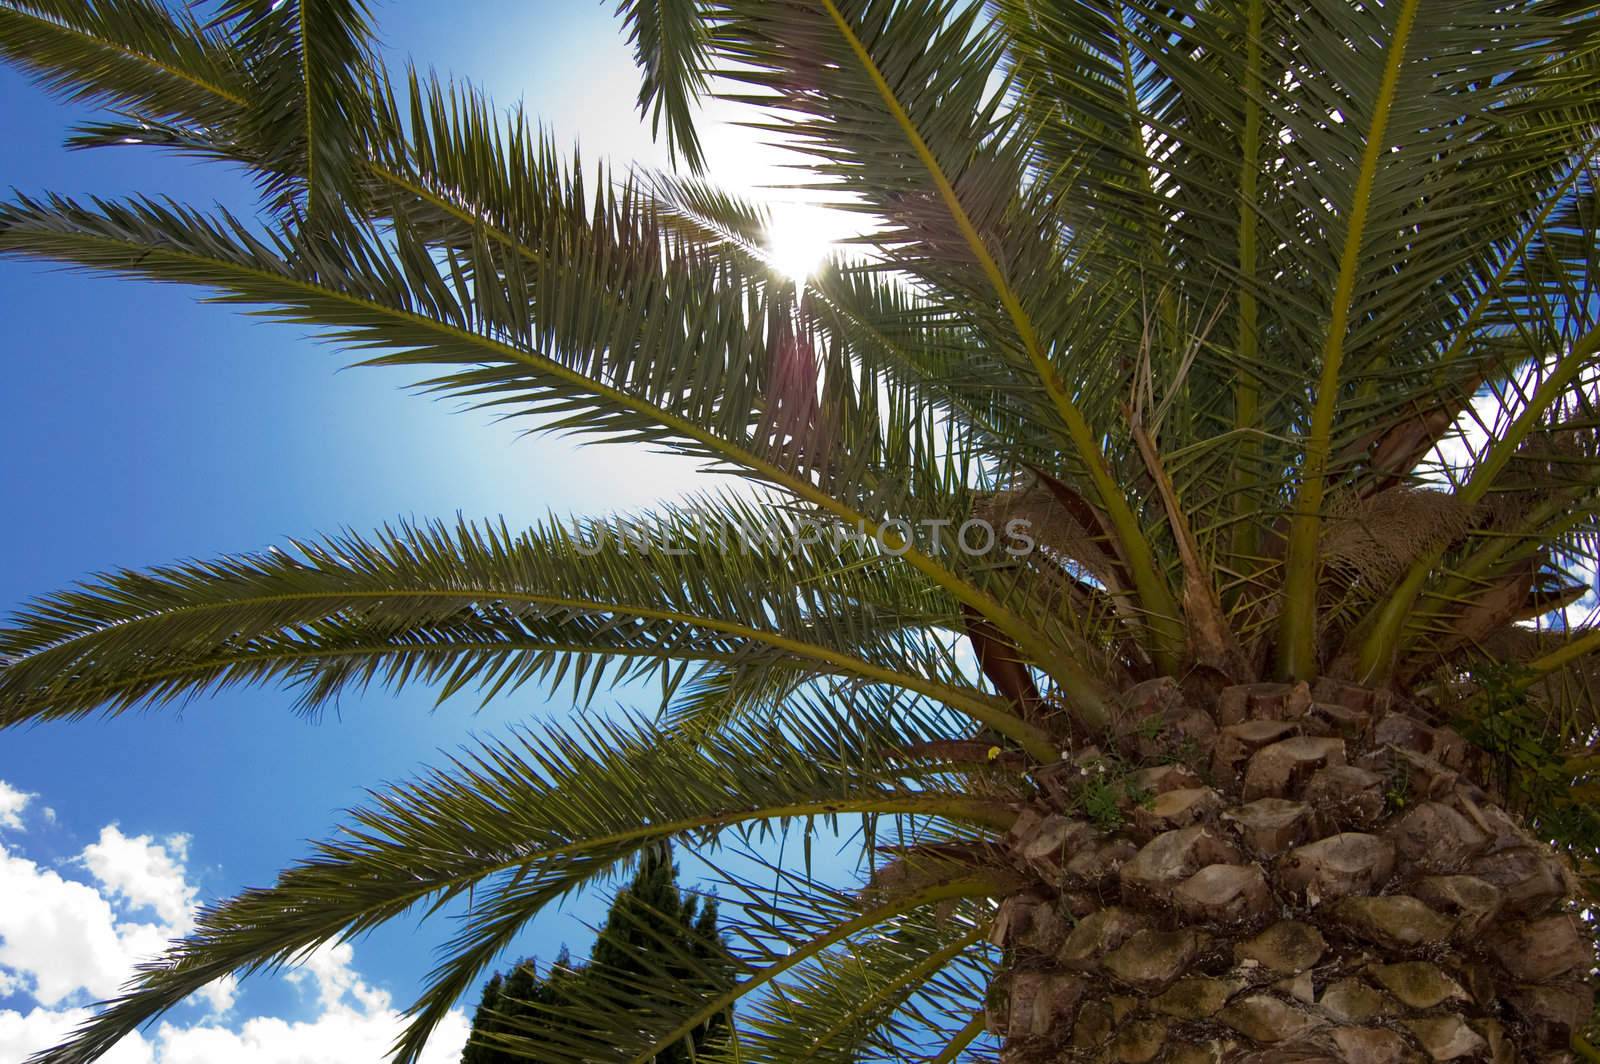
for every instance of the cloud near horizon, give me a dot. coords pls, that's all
(69, 940)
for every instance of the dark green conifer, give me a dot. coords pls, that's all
(651, 932)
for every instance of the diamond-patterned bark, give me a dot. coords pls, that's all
(1318, 880)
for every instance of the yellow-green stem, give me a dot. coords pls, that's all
(1246, 395)
(1297, 628)
(963, 1038)
(1155, 594)
(1584, 644)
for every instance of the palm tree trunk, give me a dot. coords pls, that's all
(1297, 874)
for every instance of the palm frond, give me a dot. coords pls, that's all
(669, 46)
(452, 165)
(785, 934)
(516, 825)
(309, 63)
(478, 605)
(860, 84)
(135, 55)
(879, 998)
(643, 372)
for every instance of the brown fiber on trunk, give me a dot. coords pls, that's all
(1291, 874)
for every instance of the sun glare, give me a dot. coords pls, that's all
(799, 238)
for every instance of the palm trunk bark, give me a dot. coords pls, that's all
(1296, 874)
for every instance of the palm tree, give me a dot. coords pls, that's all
(1270, 328)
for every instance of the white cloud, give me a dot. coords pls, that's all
(12, 803)
(144, 873)
(336, 983)
(60, 938)
(64, 942)
(22, 1034)
(219, 994)
(356, 1023)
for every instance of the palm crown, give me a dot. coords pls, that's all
(1273, 324)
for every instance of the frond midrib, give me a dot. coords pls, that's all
(150, 60)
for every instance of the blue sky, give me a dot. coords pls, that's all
(141, 427)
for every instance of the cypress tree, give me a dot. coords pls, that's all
(483, 1020)
(651, 932)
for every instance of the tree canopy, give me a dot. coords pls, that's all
(652, 933)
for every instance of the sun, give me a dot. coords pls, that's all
(799, 238)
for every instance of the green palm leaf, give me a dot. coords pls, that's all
(879, 998)
(670, 47)
(638, 374)
(787, 937)
(520, 824)
(308, 64)
(133, 54)
(477, 605)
